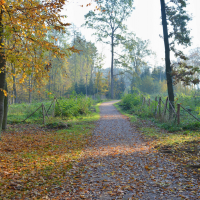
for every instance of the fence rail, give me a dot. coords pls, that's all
(166, 111)
(45, 111)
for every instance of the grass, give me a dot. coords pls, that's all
(132, 103)
(35, 160)
(18, 112)
(67, 108)
(181, 146)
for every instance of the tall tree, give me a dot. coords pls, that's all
(109, 22)
(25, 24)
(167, 53)
(2, 68)
(175, 15)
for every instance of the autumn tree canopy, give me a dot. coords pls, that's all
(24, 27)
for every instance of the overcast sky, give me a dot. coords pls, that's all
(145, 22)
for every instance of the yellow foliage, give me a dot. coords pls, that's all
(25, 34)
(4, 91)
(163, 86)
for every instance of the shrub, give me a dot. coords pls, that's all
(73, 107)
(130, 101)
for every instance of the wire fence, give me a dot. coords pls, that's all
(171, 112)
(45, 111)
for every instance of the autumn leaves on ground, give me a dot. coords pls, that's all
(104, 160)
(34, 159)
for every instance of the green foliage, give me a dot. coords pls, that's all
(132, 103)
(18, 112)
(109, 25)
(129, 101)
(148, 85)
(192, 126)
(67, 107)
(73, 107)
(110, 20)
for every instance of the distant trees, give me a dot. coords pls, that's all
(82, 63)
(133, 61)
(152, 81)
(109, 23)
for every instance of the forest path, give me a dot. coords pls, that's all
(118, 164)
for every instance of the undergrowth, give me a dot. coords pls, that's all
(133, 104)
(75, 106)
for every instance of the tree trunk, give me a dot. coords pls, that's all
(49, 82)
(14, 86)
(167, 55)
(112, 63)
(4, 125)
(3, 72)
(30, 89)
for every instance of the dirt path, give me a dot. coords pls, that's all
(118, 164)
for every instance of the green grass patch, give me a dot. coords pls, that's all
(74, 107)
(148, 109)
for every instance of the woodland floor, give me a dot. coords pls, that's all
(120, 164)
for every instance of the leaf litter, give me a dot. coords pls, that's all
(119, 164)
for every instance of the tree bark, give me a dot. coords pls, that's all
(112, 63)
(4, 125)
(167, 55)
(2, 73)
(30, 89)
(14, 86)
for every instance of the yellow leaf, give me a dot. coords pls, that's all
(147, 167)
(4, 91)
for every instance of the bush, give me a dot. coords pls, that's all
(73, 107)
(130, 101)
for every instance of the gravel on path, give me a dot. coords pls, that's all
(119, 164)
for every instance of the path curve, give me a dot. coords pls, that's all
(118, 164)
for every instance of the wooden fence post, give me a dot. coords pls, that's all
(178, 113)
(43, 114)
(155, 105)
(159, 108)
(149, 102)
(46, 112)
(165, 108)
(54, 103)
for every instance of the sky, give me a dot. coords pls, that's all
(145, 22)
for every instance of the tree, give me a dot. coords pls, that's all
(24, 27)
(167, 54)
(133, 59)
(2, 69)
(109, 22)
(175, 16)
(82, 64)
(188, 71)
(119, 87)
(136, 51)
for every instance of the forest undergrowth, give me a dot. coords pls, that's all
(180, 145)
(34, 158)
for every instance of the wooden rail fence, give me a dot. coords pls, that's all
(45, 111)
(159, 113)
